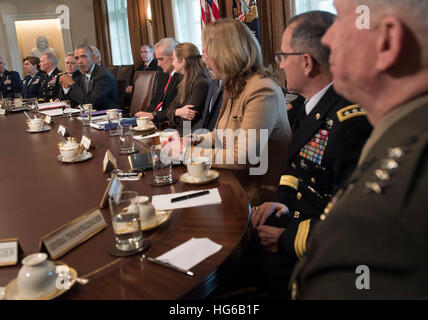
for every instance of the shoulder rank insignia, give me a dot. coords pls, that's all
(350, 112)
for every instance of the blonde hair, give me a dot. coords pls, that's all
(194, 68)
(235, 53)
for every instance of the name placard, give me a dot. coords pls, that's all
(48, 119)
(62, 131)
(109, 162)
(86, 142)
(72, 234)
(114, 189)
(10, 252)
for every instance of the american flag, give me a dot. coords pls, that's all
(209, 12)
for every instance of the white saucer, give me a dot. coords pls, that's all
(211, 176)
(83, 157)
(160, 218)
(148, 128)
(11, 292)
(45, 128)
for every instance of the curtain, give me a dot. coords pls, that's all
(162, 20)
(102, 30)
(273, 15)
(139, 33)
(119, 32)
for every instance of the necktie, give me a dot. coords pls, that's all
(86, 83)
(164, 92)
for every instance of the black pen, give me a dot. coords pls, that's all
(190, 196)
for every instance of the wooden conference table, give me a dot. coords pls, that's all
(38, 194)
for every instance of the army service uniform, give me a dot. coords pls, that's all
(51, 86)
(324, 151)
(378, 222)
(32, 86)
(10, 84)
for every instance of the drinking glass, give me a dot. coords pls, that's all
(126, 139)
(162, 165)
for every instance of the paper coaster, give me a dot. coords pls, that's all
(119, 253)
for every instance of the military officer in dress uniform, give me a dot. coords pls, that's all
(10, 82)
(371, 242)
(328, 135)
(32, 83)
(51, 86)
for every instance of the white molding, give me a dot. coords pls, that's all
(9, 19)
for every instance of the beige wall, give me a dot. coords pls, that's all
(82, 27)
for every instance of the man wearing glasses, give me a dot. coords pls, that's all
(328, 135)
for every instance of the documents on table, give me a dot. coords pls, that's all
(58, 112)
(190, 253)
(140, 137)
(163, 202)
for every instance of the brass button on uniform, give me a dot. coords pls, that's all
(313, 180)
(299, 196)
(293, 165)
(296, 214)
(318, 116)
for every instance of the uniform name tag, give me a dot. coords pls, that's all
(74, 233)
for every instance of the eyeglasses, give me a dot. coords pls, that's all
(280, 55)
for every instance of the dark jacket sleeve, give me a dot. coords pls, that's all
(16, 82)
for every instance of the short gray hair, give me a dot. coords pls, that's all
(168, 45)
(51, 57)
(310, 28)
(87, 48)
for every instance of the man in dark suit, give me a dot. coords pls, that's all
(166, 83)
(212, 107)
(50, 86)
(97, 87)
(328, 135)
(10, 82)
(371, 242)
(32, 83)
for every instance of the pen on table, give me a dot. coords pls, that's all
(190, 196)
(168, 265)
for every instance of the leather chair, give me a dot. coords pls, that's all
(144, 84)
(114, 70)
(126, 72)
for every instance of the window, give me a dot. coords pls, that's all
(309, 5)
(119, 32)
(187, 21)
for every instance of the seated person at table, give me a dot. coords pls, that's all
(10, 82)
(189, 103)
(98, 86)
(252, 132)
(51, 85)
(328, 135)
(73, 72)
(32, 83)
(166, 83)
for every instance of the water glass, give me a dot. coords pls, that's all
(162, 165)
(126, 139)
(126, 222)
(113, 117)
(85, 114)
(66, 109)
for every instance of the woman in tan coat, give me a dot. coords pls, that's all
(252, 133)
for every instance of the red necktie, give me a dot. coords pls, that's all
(164, 92)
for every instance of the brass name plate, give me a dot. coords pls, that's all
(9, 252)
(69, 236)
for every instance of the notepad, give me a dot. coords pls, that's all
(163, 202)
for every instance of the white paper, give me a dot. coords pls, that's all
(147, 137)
(163, 202)
(190, 253)
(58, 112)
(50, 105)
(98, 125)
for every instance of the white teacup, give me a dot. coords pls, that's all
(143, 122)
(198, 167)
(35, 124)
(146, 211)
(70, 150)
(37, 277)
